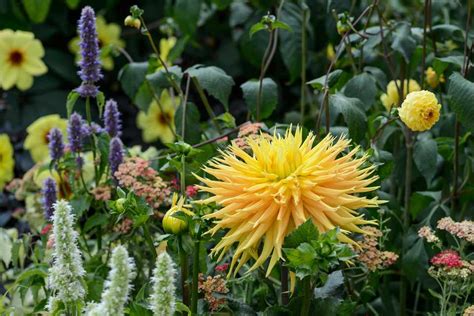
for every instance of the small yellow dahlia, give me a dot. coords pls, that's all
(7, 162)
(285, 181)
(420, 110)
(391, 99)
(20, 59)
(37, 139)
(174, 225)
(432, 78)
(166, 45)
(109, 37)
(158, 121)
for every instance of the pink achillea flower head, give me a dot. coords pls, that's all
(448, 258)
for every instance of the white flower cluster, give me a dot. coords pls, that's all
(117, 286)
(65, 274)
(162, 299)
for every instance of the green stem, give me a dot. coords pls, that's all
(284, 285)
(205, 101)
(194, 290)
(306, 296)
(183, 261)
(262, 74)
(303, 65)
(149, 241)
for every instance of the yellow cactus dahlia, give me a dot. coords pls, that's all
(283, 182)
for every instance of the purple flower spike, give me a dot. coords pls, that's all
(75, 132)
(56, 146)
(90, 65)
(115, 154)
(49, 197)
(112, 122)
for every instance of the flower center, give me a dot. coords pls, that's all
(164, 118)
(16, 57)
(429, 114)
(46, 138)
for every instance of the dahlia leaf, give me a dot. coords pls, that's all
(362, 87)
(304, 233)
(269, 96)
(425, 155)
(461, 93)
(131, 76)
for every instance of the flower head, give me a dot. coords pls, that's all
(75, 132)
(66, 271)
(7, 163)
(166, 45)
(286, 180)
(20, 59)
(432, 78)
(427, 233)
(469, 311)
(420, 110)
(391, 98)
(174, 225)
(112, 120)
(162, 299)
(56, 146)
(115, 154)
(89, 64)
(49, 197)
(158, 121)
(448, 258)
(37, 139)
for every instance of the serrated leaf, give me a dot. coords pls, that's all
(304, 233)
(425, 154)
(131, 76)
(37, 10)
(362, 87)
(269, 97)
(215, 81)
(71, 101)
(192, 129)
(333, 77)
(350, 108)
(461, 97)
(160, 80)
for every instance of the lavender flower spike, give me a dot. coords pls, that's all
(56, 146)
(115, 154)
(75, 132)
(112, 120)
(49, 197)
(90, 65)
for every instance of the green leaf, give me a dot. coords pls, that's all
(350, 108)
(304, 233)
(419, 201)
(100, 99)
(425, 155)
(192, 129)
(98, 219)
(257, 27)
(143, 97)
(269, 98)
(61, 63)
(131, 76)
(415, 260)
(333, 77)
(71, 101)
(362, 87)
(281, 25)
(5, 247)
(160, 80)
(291, 42)
(37, 10)
(461, 94)
(72, 4)
(186, 15)
(332, 285)
(441, 63)
(215, 81)
(404, 42)
(180, 307)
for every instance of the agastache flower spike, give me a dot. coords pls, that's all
(162, 299)
(115, 154)
(49, 197)
(75, 132)
(56, 146)
(112, 120)
(66, 271)
(90, 63)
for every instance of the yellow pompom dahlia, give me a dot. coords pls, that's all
(285, 181)
(20, 59)
(391, 98)
(420, 110)
(6, 160)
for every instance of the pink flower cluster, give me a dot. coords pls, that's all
(247, 131)
(426, 233)
(369, 253)
(136, 174)
(463, 230)
(447, 258)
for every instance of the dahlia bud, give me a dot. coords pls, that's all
(174, 225)
(132, 22)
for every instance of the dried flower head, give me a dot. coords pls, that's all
(370, 254)
(211, 286)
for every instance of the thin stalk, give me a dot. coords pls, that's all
(423, 55)
(185, 101)
(262, 73)
(207, 106)
(305, 308)
(183, 260)
(194, 290)
(285, 297)
(303, 65)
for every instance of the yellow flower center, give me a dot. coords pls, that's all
(16, 57)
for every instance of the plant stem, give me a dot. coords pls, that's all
(262, 74)
(183, 261)
(284, 285)
(149, 241)
(305, 308)
(205, 101)
(194, 290)
(303, 64)
(423, 55)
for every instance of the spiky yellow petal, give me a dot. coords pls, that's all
(281, 183)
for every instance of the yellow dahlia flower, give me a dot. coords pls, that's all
(420, 110)
(166, 45)
(286, 180)
(6, 160)
(174, 225)
(37, 139)
(432, 78)
(109, 37)
(391, 99)
(20, 59)
(158, 121)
